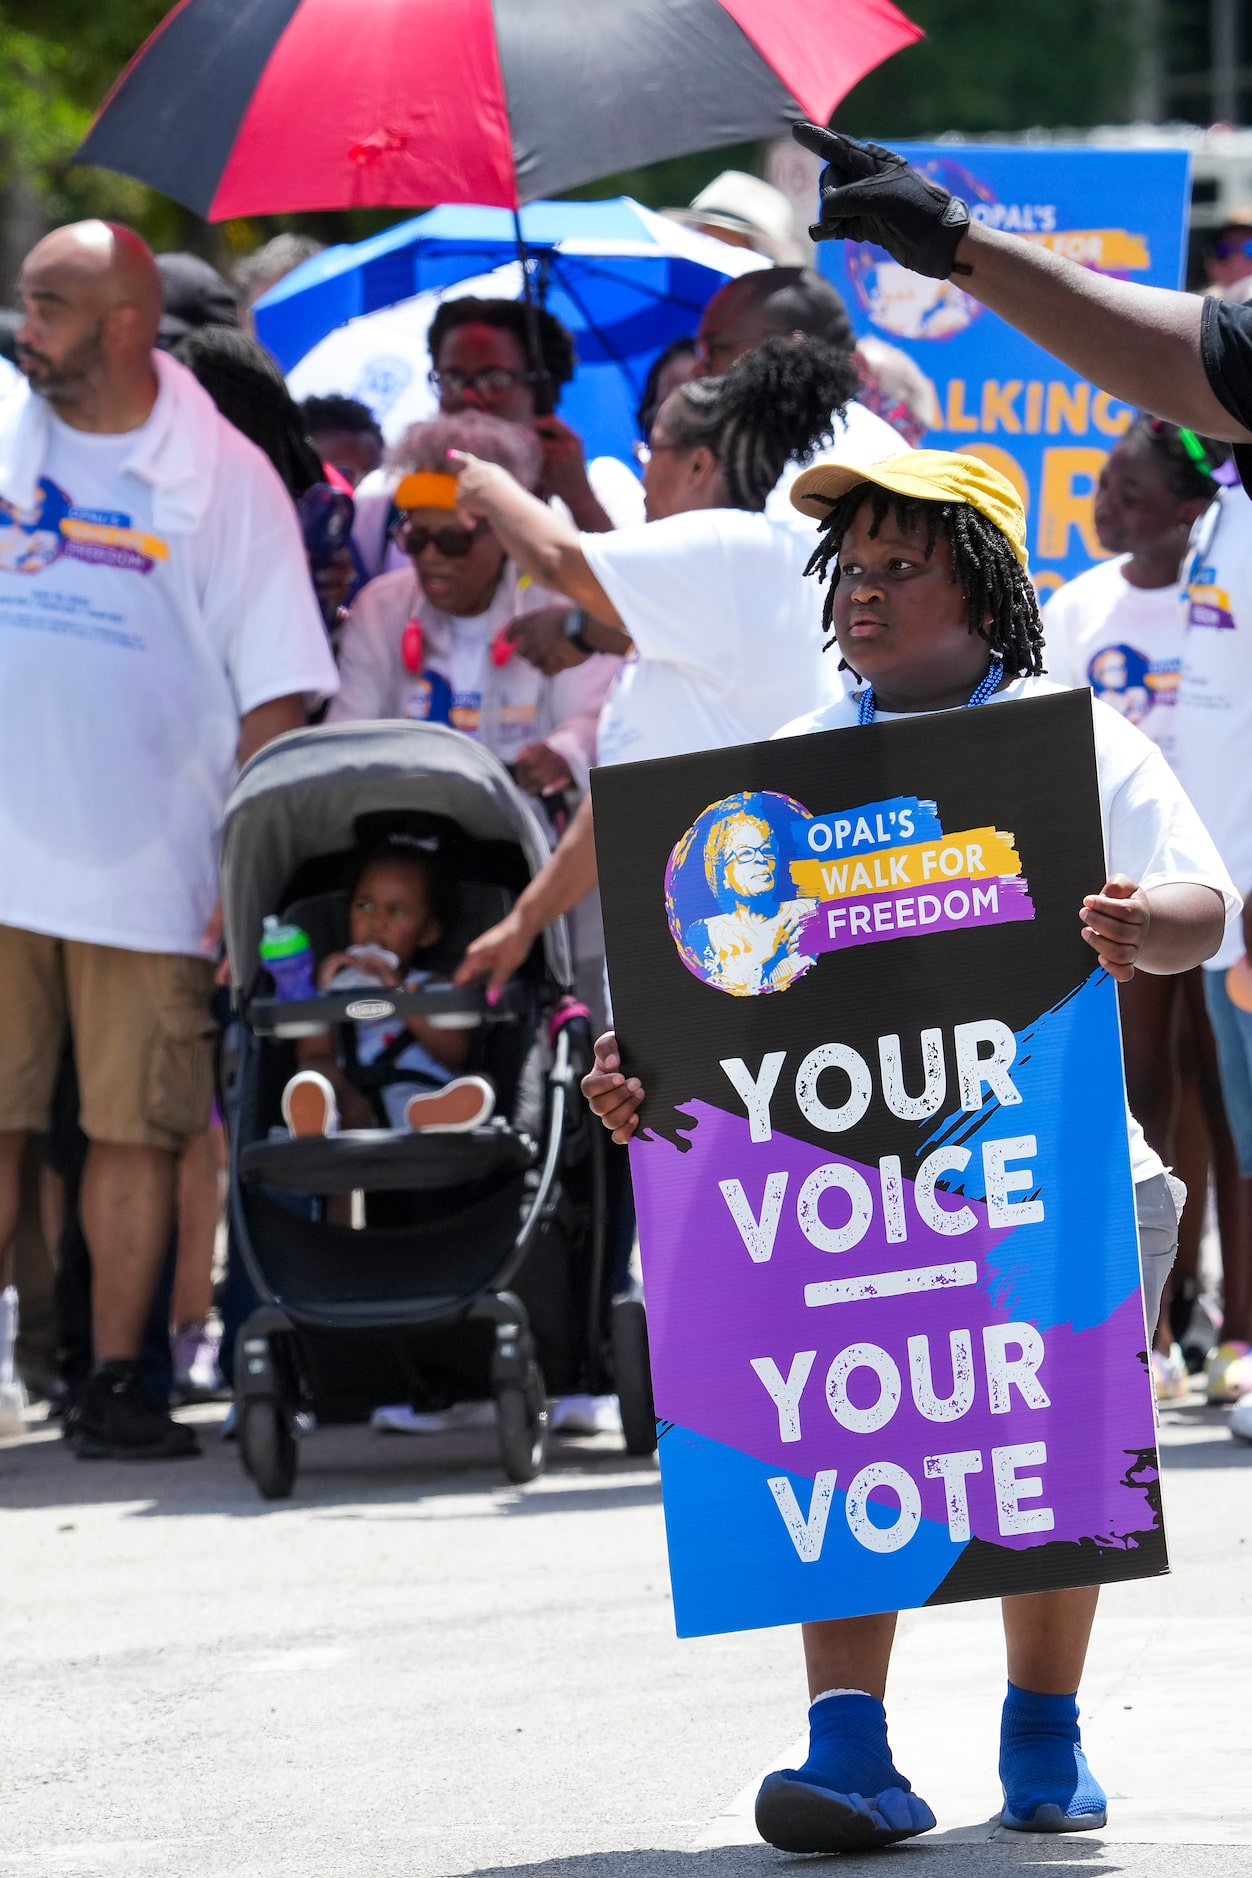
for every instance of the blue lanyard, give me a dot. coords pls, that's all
(995, 672)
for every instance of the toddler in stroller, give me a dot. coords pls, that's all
(389, 1072)
(394, 1264)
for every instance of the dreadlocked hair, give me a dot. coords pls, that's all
(984, 567)
(773, 404)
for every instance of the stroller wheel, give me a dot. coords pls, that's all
(522, 1419)
(267, 1445)
(632, 1375)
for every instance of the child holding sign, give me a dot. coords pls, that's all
(932, 609)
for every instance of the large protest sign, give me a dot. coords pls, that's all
(882, 1176)
(1120, 212)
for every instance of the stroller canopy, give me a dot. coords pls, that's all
(300, 798)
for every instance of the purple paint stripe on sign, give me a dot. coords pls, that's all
(862, 919)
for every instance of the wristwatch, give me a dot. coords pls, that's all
(575, 620)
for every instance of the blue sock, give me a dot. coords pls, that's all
(1042, 1765)
(848, 1749)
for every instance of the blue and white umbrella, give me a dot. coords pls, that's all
(624, 280)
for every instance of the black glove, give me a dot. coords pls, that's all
(871, 194)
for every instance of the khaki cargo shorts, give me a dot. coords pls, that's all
(142, 1030)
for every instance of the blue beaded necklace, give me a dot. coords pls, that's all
(995, 672)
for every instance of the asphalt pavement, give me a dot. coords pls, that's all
(413, 1670)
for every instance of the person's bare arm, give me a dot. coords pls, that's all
(545, 545)
(256, 729)
(272, 719)
(1142, 344)
(449, 1047)
(1161, 930)
(568, 873)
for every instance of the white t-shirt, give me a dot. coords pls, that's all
(1151, 831)
(1125, 642)
(1213, 733)
(127, 659)
(721, 617)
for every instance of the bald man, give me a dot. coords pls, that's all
(157, 626)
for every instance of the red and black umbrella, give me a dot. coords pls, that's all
(250, 107)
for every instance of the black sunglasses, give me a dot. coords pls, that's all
(453, 543)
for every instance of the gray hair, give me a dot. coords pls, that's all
(426, 446)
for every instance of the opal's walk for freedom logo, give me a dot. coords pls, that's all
(757, 888)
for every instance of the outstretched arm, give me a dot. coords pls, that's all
(1140, 343)
(567, 874)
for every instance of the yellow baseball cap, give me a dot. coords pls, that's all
(920, 476)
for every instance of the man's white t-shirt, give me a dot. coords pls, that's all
(1125, 642)
(1151, 831)
(1213, 734)
(721, 616)
(128, 657)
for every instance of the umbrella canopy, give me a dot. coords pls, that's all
(623, 280)
(250, 107)
(615, 266)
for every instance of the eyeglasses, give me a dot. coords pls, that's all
(1226, 247)
(742, 857)
(492, 382)
(453, 543)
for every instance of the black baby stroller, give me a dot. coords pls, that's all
(476, 1265)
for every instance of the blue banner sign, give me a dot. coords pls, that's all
(1000, 396)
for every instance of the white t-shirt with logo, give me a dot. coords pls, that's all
(1125, 642)
(1151, 831)
(127, 659)
(722, 619)
(1213, 737)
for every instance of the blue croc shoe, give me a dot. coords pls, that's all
(848, 1796)
(1048, 1786)
(798, 1815)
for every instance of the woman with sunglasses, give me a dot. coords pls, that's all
(427, 640)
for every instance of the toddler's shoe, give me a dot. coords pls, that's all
(1228, 1373)
(309, 1106)
(1169, 1374)
(461, 1105)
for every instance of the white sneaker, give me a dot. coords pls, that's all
(585, 1415)
(1241, 1419)
(1169, 1374)
(400, 1419)
(309, 1106)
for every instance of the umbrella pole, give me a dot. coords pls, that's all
(545, 398)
